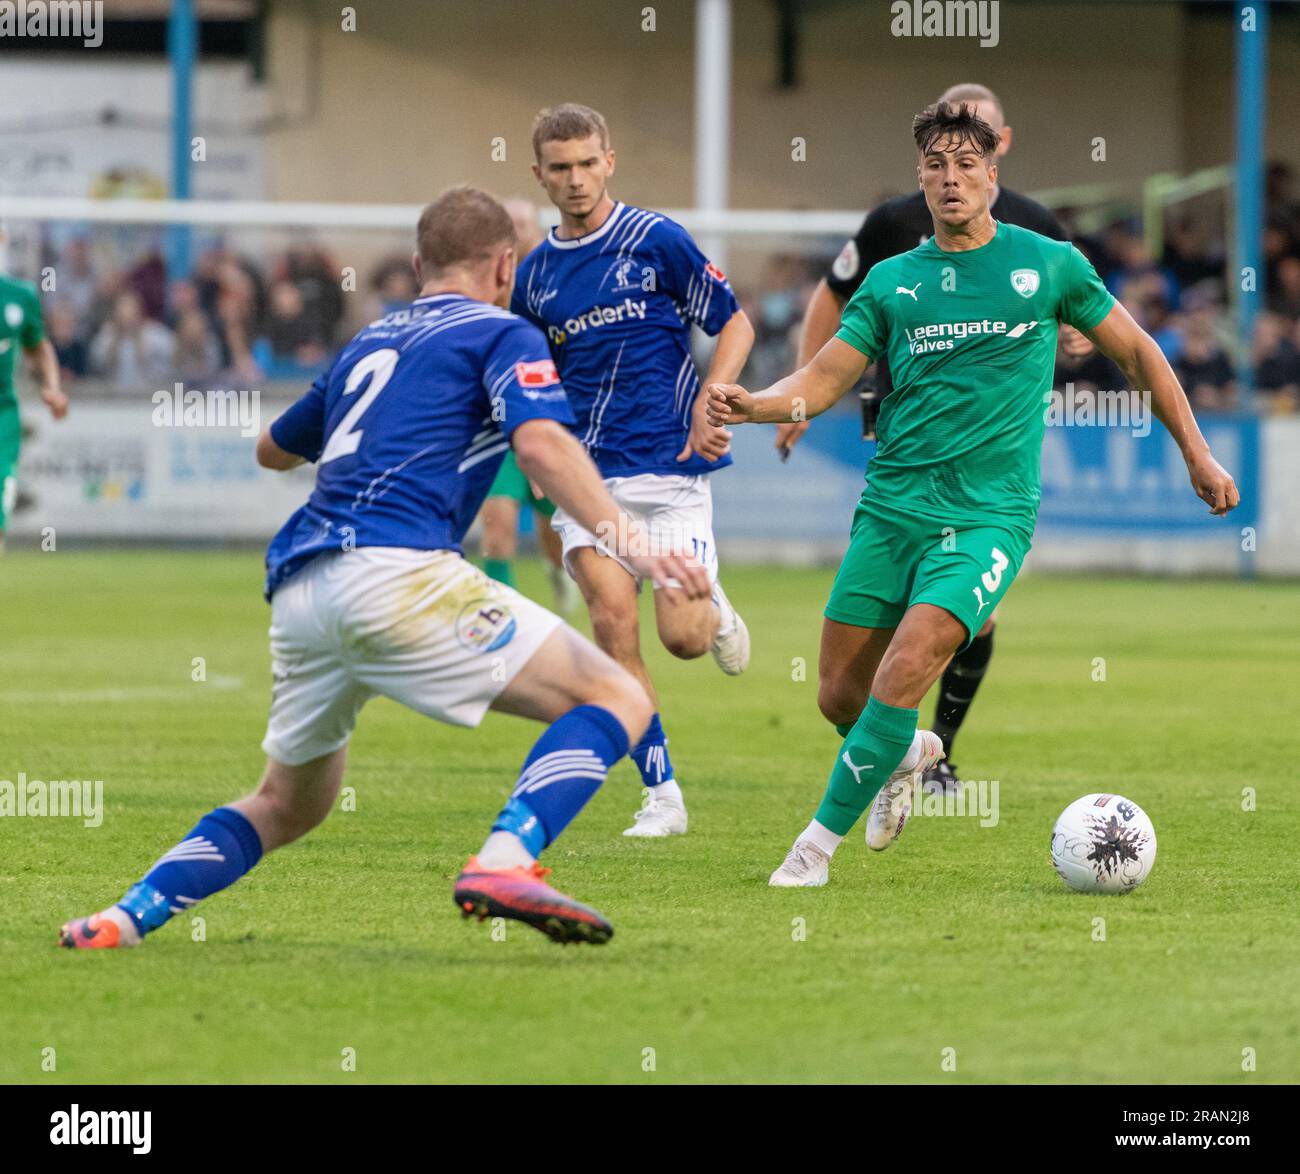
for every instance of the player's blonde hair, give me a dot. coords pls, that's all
(567, 121)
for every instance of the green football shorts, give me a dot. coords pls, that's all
(510, 482)
(897, 560)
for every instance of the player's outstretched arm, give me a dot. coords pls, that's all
(1144, 365)
(548, 455)
(801, 396)
(820, 322)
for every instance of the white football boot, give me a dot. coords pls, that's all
(805, 866)
(892, 806)
(658, 817)
(731, 644)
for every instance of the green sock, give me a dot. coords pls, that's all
(844, 727)
(500, 569)
(875, 745)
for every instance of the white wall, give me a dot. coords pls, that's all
(70, 151)
(413, 99)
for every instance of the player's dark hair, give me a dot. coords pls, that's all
(973, 92)
(462, 226)
(957, 123)
(568, 121)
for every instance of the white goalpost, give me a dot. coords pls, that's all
(271, 214)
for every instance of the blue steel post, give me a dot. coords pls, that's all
(1252, 102)
(1252, 115)
(182, 48)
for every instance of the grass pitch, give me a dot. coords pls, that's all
(961, 937)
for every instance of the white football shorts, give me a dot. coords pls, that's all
(424, 627)
(677, 511)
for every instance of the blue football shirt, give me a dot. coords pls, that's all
(617, 306)
(409, 426)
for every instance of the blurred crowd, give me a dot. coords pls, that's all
(236, 322)
(233, 324)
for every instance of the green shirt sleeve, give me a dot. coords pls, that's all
(1084, 300)
(863, 325)
(33, 328)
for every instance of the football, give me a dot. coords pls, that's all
(1103, 844)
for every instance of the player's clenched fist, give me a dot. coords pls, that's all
(729, 403)
(1213, 483)
(704, 439)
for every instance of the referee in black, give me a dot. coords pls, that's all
(898, 226)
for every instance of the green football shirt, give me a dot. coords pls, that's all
(971, 342)
(20, 327)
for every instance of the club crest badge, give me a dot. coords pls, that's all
(623, 275)
(1025, 282)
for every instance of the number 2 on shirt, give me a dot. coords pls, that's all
(346, 436)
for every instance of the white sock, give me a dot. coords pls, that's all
(726, 621)
(668, 791)
(821, 836)
(504, 850)
(912, 757)
(125, 923)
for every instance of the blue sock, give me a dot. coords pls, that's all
(651, 755)
(221, 848)
(563, 770)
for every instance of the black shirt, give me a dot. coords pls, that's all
(1278, 369)
(898, 226)
(1213, 372)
